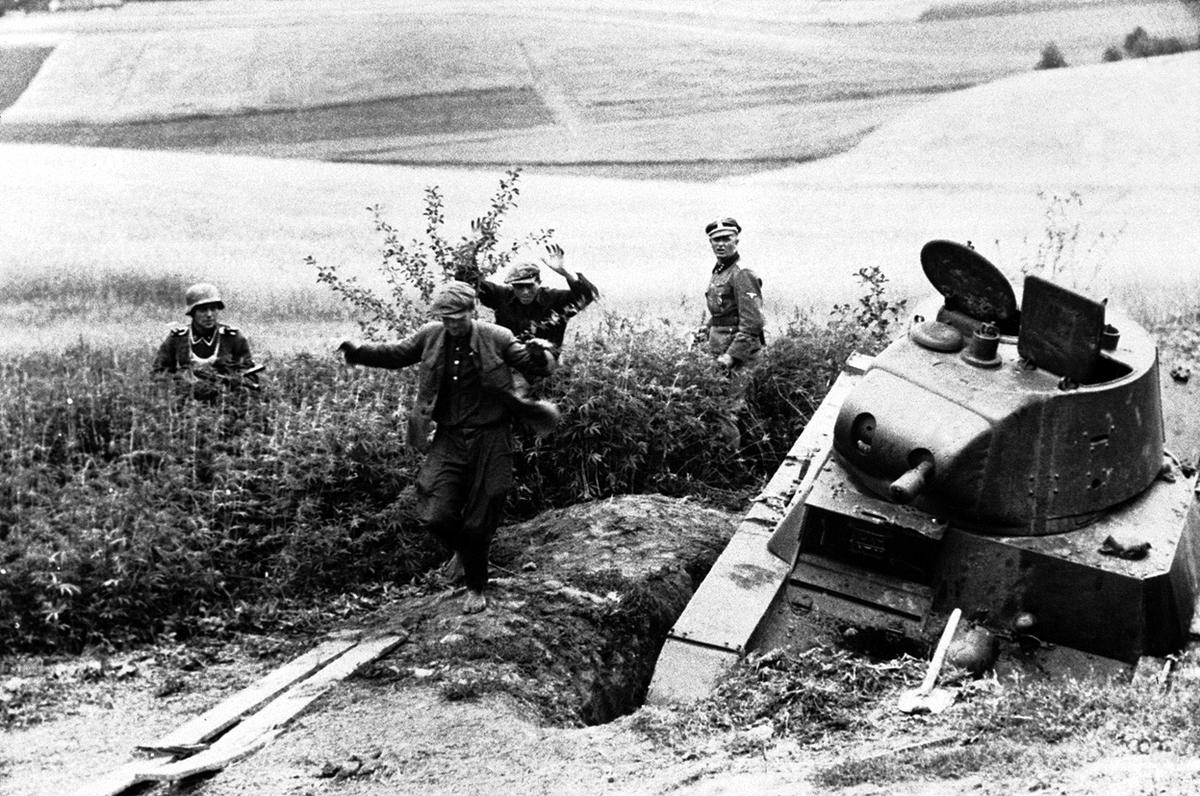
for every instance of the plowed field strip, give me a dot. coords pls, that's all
(18, 65)
(442, 114)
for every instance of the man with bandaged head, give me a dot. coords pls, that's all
(463, 414)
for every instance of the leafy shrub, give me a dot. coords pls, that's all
(1140, 44)
(1112, 54)
(412, 271)
(1052, 58)
(127, 511)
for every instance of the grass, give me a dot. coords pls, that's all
(841, 705)
(284, 130)
(130, 510)
(1049, 724)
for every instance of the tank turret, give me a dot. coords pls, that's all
(1006, 422)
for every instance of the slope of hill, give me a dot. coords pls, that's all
(665, 89)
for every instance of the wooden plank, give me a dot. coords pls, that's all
(227, 713)
(208, 724)
(257, 730)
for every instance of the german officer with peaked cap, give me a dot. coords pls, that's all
(733, 325)
(206, 351)
(465, 391)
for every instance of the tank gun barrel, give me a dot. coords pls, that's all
(912, 482)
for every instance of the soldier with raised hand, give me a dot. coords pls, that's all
(522, 304)
(206, 353)
(466, 397)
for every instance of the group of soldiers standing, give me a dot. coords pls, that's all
(473, 378)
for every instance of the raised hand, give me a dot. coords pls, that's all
(481, 230)
(554, 259)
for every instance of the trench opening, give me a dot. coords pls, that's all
(580, 603)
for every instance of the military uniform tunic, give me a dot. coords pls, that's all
(735, 318)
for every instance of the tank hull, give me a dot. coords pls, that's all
(779, 572)
(871, 562)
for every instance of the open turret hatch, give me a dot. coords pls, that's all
(1057, 330)
(974, 290)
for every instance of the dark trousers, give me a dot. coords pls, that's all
(461, 490)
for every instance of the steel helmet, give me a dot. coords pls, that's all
(202, 293)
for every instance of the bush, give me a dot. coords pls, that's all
(1052, 58)
(412, 271)
(1140, 44)
(127, 511)
(1111, 55)
(642, 410)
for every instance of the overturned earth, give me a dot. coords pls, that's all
(580, 601)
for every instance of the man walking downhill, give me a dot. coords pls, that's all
(465, 391)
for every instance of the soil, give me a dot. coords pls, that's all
(497, 702)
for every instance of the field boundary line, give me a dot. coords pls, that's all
(552, 94)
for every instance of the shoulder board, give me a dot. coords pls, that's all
(229, 330)
(180, 332)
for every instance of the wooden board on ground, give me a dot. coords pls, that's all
(257, 730)
(208, 724)
(224, 715)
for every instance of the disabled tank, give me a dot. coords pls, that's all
(1005, 459)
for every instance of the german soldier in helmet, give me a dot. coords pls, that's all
(206, 352)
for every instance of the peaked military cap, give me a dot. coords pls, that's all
(722, 226)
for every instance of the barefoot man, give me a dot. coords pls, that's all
(465, 389)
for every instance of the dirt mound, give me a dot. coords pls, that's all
(580, 601)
